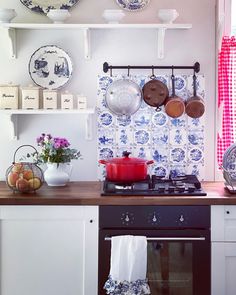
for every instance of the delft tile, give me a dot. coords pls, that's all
(196, 123)
(105, 119)
(196, 169)
(178, 136)
(200, 83)
(123, 121)
(105, 137)
(104, 82)
(141, 119)
(196, 137)
(160, 170)
(178, 155)
(121, 149)
(160, 119)
(142, 152)
(160, 136)
(160, 155)
(195, 155)
(180, 83)
(163, 78)
(106, 153)
(178, 122)
(178, 170)
(142, 137)
(101, 172)
(124, 136)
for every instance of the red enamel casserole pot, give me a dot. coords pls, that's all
(126, 169)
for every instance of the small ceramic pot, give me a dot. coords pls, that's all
(113, 16)
(6, 15)
(58, 16)
(167, 16)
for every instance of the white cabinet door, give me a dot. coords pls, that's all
(49, 250)
(223, 268)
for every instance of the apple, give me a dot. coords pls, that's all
(22, 185)
(28, 174)
(34, 183)
(12, 178)
(17, 167)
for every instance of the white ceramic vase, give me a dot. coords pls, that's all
(57, 174)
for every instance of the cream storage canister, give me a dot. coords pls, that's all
(30, 97)
(9, 96)
(50, 99)
(67, 101)
(81, 102)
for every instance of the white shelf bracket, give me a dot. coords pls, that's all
(11, 34)
(160, 42)
(87, 43)
(13, 122)
(89, 127)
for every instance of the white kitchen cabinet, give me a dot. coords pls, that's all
(49, 250)
(223, 237)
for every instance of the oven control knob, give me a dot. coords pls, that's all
(153, 219)
(181, 219)
(127, 218)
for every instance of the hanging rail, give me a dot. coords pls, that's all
(195, 67)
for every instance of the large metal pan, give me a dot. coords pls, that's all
(155, 93)
(123, 97)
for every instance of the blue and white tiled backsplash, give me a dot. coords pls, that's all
(175, 145)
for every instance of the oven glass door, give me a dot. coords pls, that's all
(178, 261)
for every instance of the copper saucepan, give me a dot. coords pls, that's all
(195, 106)
(174, 105)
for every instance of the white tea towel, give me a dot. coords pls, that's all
(128, 269)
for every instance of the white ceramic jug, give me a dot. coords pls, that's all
(57, 174)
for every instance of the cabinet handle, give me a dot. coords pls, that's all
(91, 220)
(227, 212)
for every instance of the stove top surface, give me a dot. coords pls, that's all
(187, 185)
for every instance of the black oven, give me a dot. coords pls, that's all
(178, 248)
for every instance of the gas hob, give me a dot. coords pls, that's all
(187, 185)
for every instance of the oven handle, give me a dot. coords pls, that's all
(169, 239)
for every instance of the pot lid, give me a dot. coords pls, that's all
(126, 160)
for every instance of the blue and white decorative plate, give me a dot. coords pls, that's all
(43, 6)
(50, 67)
(177, 154)
(132, 5)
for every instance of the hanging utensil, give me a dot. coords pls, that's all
(195, 106)
(123, 97)
(155, 92)
(174, 105)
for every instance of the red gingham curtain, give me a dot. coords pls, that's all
(226, 95)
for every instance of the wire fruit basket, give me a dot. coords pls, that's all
(24, 176)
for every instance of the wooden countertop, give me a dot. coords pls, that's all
(88, 193)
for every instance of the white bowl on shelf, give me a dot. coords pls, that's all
(167, 16)
(58, 16)
(113, 16)
(6, 15)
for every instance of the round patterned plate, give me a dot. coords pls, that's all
(43, 6)
(50, 67)
(132, 5)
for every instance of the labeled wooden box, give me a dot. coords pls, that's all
(30, 97)
(9, 97)
(81, 102)
(50, 99)
(67, 101)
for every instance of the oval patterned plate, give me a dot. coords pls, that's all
(132, 5)
(50, 67)
(43, 6)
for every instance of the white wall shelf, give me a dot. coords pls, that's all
(11, 28)
(12, 116)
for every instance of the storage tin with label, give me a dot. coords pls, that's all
(81, 102)
(30, 97)
(67, 101)
(49, 99)
(9, 96)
